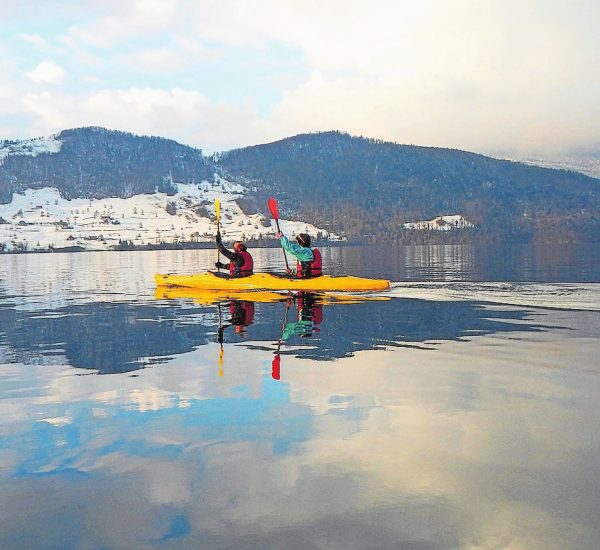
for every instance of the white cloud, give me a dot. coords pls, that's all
(34, 39)
(184, 53)
(476, 74)
(47, 71)
(187, 117)
(129, 19)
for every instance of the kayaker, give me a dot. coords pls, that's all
(240, 261)
(309, 262)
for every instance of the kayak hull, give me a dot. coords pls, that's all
(266, 281)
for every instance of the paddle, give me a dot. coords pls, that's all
(218, 209)
(220, 340)
(275, 213)
(276, 364)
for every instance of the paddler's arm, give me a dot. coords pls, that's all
(303, 254)
(227, 253)
(237, 259)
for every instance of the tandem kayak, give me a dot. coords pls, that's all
(267, 281)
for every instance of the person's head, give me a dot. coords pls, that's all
(239, 246)
(303, 240)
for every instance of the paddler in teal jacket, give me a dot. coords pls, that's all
(302, 251)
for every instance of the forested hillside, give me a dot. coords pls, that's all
(98, 163)
(369, 188)
(364, 188)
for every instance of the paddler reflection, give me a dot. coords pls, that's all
(309, 315)
(242, 316)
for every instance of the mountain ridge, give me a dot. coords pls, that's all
(364, 188)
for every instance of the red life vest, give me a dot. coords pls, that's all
(246, 269)
(317, 265)
(313, 269)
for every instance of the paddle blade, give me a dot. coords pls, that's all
(218, 209)
(273, 209)
(275, 371)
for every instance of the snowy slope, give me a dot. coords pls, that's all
(29, 147)
(41, 219)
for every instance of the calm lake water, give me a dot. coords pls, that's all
(458, 410)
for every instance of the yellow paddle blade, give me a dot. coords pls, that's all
(218, 209)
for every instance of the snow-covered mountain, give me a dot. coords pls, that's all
(40, 219)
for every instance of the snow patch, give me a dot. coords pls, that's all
(441, 223)
(29, 147)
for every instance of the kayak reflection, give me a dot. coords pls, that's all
(309, 311)
(307, 307)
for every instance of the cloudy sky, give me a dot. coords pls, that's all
(500, 77)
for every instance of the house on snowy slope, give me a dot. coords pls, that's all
(441, 223)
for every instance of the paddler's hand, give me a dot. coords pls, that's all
(279, 235)
(218, 237)
(289, 271)
(220, 265)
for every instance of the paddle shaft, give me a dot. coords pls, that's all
(276, 364)
(282, 249)
(220, 339)
(275, 212)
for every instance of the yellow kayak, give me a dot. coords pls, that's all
(266, 281)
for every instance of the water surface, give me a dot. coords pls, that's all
(457, 410)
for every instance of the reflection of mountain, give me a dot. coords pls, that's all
(107, 337)
(125, 337)
(348, 328)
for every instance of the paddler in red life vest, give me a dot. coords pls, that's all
(240, 261)
(309, 259)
